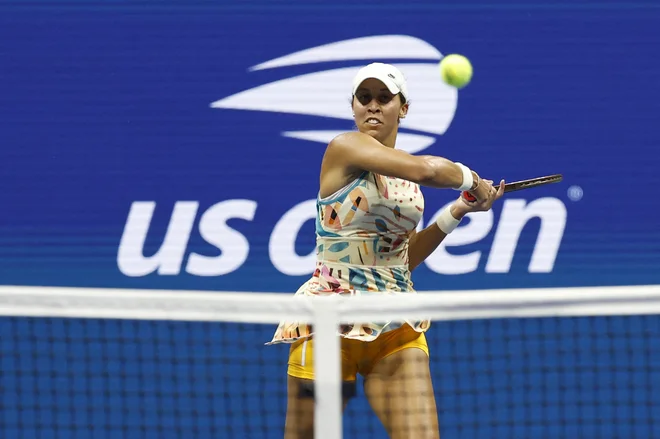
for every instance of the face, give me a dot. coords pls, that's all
(377, 111)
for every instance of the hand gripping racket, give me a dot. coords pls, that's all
(523, 184)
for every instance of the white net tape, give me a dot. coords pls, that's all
(256, 307)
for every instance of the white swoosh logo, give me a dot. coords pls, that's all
(327, 93)
(365, 48)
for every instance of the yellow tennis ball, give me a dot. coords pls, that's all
(456, 70)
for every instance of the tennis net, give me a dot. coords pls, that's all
(103, 363)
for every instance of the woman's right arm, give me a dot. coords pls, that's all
(354, 152)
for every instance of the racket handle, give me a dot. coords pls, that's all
(471, 198)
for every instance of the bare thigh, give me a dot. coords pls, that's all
(400, 392)
(299, 422)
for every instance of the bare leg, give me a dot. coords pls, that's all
(299, 422)
(400, 392)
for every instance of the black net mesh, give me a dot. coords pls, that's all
(578, 377)
(102, 379)
(591, 377)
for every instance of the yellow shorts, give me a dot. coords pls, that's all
(357, 356)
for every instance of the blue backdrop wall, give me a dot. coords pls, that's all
(106, 107)
(177, 145)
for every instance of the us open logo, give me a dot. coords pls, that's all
(433, 105)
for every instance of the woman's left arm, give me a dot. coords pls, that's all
(422, 244)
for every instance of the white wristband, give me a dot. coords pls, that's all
(446, 221)
(468, 180)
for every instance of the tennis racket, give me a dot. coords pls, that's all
(523, 184)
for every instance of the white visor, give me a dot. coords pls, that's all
(385, 73)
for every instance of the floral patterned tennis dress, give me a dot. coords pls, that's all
(362, 248)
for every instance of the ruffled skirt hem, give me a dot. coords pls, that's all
(288, 333)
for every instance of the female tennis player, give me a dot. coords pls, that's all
(368, 208)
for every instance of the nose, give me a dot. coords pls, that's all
(373, 106)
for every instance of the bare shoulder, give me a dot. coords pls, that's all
(336, 171)
(340, 148)
(344, 142)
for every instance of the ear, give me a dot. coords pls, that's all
(403, 111)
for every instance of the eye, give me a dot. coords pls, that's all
(363, 98)
(384, 98)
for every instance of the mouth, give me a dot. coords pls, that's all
(372, 121)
